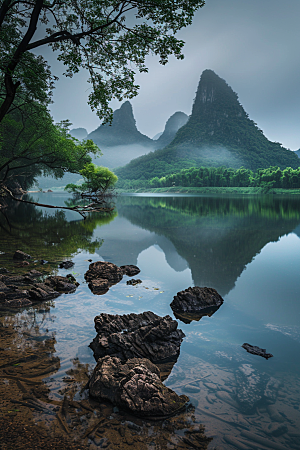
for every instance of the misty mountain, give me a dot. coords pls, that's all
(218, 133)
(79, 133)
(122, 131)
(298, 153)
(121, 141)
(157, 136)
(173, 124)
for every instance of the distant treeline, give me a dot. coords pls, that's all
(272, 177)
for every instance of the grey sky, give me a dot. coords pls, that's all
(254, 45)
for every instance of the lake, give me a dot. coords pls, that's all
(247, 248)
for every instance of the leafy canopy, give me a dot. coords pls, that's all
(31, 145)
(97, 180)
(109, 38)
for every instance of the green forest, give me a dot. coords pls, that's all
(272, 177)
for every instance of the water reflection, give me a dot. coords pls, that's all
(217, 237)
(45, 411)
(51, 236)
(240, 246)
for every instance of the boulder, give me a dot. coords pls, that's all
(102, 269)
(196, 302)
(130, 270)
(144, 335)
(134, 385)
(99, 286)
(41, 292)
(61, 284)
(21, 255)
(21, 290)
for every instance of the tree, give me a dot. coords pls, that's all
(31, 144)
(109, 38)
(97, 180)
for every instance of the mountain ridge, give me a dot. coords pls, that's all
(219, 132)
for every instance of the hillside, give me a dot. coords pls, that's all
(79, 133)
(173, 124)
(121, 141)
(218, 133)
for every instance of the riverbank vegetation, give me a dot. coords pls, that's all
(219, 180)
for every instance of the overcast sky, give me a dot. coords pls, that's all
(254, 45)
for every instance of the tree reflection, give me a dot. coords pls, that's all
(47, 236)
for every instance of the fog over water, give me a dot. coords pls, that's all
(252, 45)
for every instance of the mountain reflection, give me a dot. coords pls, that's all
(217, 237)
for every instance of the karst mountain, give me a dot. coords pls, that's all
(219, 132)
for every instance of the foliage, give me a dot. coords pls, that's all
(109, 38)
(31, 144)
(97, 180)
(266, 179)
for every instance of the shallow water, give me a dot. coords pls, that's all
(248, 248)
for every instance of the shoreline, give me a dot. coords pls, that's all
(211, 190)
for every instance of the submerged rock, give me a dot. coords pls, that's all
(102, 270)
(21, 255)
(257, 351)
(195, 302)
(134, 385)
(254, 387)
(66, 264)
(21, 290)
(130, 270)
(144, 335)
(61, 284)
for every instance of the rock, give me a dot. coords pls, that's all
(41, 292)
(134, 385)
(99, 286)
(144, 335)
(18, 303)
(104, 270)
(61, 284)
(154, 337)
(3, 270)
(72, 279)
(275, 429)
(254, 350)
(195, 302)
(34, 273)
(134, 282)
(21, 290)
(24, 263)
(43, 261)
(21, 255)
(130, 270)
(253, 387)
(66, 264)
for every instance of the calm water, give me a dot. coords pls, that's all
(246, 248)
